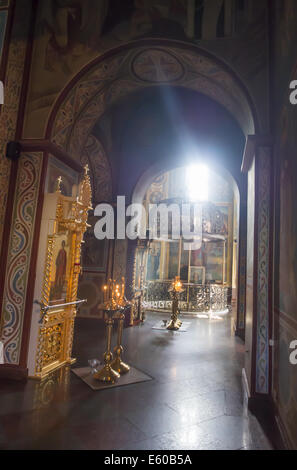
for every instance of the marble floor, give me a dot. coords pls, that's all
(193, 402)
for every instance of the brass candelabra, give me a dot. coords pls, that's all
(114, 302)
(117, 364)
(175, 290)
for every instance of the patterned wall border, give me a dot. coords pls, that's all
(13, 90)
(19, 254)
(262, 355)
(108, 79)
(242, 281)
(9, 116)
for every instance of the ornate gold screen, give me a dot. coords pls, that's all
(60, 283)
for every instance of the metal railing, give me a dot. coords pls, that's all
(195, 298)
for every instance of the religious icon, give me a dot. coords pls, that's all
(58, 290)
(61, 263)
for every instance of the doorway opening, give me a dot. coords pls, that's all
(208, 265)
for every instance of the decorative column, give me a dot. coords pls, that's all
(21, 241)
(258, 163)
(19, 190)
(241, 282)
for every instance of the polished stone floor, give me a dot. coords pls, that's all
(193, 402)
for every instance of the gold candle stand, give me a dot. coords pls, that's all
(117, 364)
(175, 291)
(108, 374)
(114, 302)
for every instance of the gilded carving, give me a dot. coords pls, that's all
(60, 284)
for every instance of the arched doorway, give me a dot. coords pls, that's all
(208, 269)
(135, 68)
(117, 76)
(160, 143)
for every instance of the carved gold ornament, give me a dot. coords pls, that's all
(55, 337)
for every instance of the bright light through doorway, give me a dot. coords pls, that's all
(197, 182)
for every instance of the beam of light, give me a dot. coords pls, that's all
(197, 182)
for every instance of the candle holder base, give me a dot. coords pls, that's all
(174, 325)
(107, 375)
(120, 367)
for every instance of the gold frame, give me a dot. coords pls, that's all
(55, 337)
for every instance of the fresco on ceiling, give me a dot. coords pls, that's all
(70, 33)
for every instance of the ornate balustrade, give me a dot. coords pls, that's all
(196, 298)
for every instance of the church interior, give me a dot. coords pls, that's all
(118, 332)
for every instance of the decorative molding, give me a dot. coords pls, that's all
(9, 117)
(19, 254)
(263, 266)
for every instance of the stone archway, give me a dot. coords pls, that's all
(154, 62)
(125, 70)
(136, 66)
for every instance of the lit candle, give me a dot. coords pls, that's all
(105, 293)
(123, 287)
